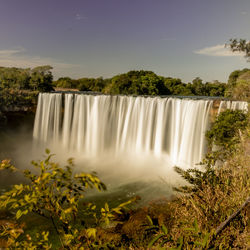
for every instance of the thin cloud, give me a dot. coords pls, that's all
(243, 13)
(217, 50)
(20, 59)
(80, 17)
(11, 52)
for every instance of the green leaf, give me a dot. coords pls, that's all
(19, 213)
(164, 229)
(180, 244)
(151, 243)
(117, 210)
(150, 220)
(196, 226)
(106, 207)
(205, 240)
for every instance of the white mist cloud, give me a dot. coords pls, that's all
(217, 50)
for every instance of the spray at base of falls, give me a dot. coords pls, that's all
(95, 126)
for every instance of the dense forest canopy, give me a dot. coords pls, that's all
(39, 78)
(135, 82)
(140, 82)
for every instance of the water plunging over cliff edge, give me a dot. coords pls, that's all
(96, 125)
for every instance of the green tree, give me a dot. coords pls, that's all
(66, 82)
(85, 84)
(198, 86)
(240, 45)
(226, 127)
(137, 83)
(172, 85)
(233, 77)
(9, 77)
(238, 83)
(41, 78)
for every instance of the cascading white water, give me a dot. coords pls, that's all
(48, 117)
(159, 126)
(233, 105)
(95, 125)
(128, 140)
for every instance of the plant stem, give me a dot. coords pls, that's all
(53, 222)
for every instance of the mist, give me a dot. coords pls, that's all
(129, 175)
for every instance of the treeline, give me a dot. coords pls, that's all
(143, 83)
(39, 78)
(19, 88)
(131, 83)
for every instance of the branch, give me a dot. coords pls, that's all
(40, 213)
(58, 233)
(221, 227)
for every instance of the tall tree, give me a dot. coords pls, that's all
(240, 45)
(41, 78)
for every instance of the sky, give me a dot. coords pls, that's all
(93, 38)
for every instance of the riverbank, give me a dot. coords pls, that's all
(14, 101)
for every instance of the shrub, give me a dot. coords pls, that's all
(226, 127)
(53, 193)
(214, 191)
(56, 193)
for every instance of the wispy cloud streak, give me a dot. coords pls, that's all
(80, 17)
(21, 59)
(11, 52)
(217, 50)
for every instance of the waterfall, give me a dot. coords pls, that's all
(233, 105)
(48, 116)
(95, 125)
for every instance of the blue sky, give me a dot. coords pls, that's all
(91, 38)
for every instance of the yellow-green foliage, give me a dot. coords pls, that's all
(13, 231)
(55, 194)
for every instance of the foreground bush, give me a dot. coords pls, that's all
(53, 193)
(214, 192)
